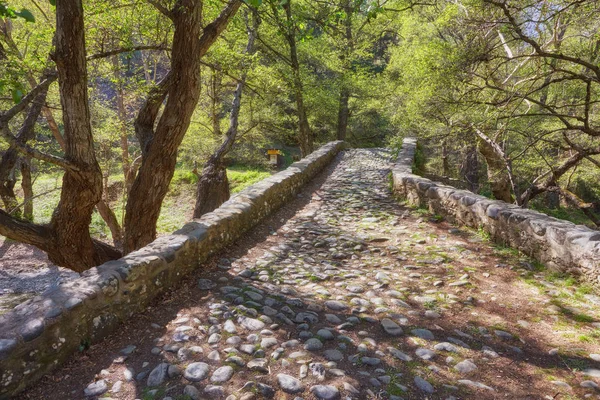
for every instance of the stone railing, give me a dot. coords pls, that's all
(559, 244)
(41, 333)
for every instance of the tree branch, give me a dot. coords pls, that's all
(126, 50)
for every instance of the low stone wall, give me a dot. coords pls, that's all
(558, 244)
(43, 332)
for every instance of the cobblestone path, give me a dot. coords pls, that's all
(354, 296)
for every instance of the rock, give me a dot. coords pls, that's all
(477, 385)
(116, 387)
(222, 374)
(425, 354)
(192, 392)
(158, 375)
(313, 344)
(333, 355)
(173, 371)
(214, 391)
(258, 364)
(290, 384)
(325, 334)
(423, 334)
(96, 389)
(370, 361)
(268, 342)
(251, 324)
(206, 284)
(503, 334)
(465, 367)
(265, 390)
(195, 372)
(390, 327)
(423, 385)
(589, 385)
(445, 346)
(399, 355)
(333, 319)
(325, 392)
(214, 338)
(336, 305)
(351, 389)
(594, 373)
(128, 350)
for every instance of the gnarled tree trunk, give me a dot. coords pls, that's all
(73, 246)
(213, 185)
(496, 172)
(159, 146)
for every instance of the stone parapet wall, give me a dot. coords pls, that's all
(41, 333)
(559, 244)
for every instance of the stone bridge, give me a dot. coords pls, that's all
(317, 283)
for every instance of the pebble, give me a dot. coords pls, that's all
(325, 392)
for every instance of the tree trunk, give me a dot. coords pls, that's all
(215, 104)
(496, 172)
(160, 145)
(305, 136)
(112, 222)
(445, 163)
(27, 186)
(212, 190)
(122, 115)
(73, 246)
(343, 109)
(343, 114)
(8, 181)
(213, 185)
(470, 169)
(9, 163)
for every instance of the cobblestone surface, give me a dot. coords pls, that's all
(355, 297)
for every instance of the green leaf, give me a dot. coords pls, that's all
(254, 3)
(26, 15)
(52, 2)
(17, 95)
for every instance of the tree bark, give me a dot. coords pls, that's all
(213, 185)
(160, 145)
(343, 114)
(445, 163)
(112, 222)
(305, 135)
(9, 164)
(122, 116)
(343, 109)
(66, 238)
(470, 169)
(27, 186)
(496, 172)
(213, 188)
(73, 246)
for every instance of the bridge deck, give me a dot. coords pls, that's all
(346, 293)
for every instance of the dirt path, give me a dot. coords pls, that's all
(345, 293)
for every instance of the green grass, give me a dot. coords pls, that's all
(176, 209)
(241, 177)
(567, 214)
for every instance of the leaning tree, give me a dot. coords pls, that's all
(160, 126)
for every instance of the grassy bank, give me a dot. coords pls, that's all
(176, 209)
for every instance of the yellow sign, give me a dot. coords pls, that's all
(273, 151)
